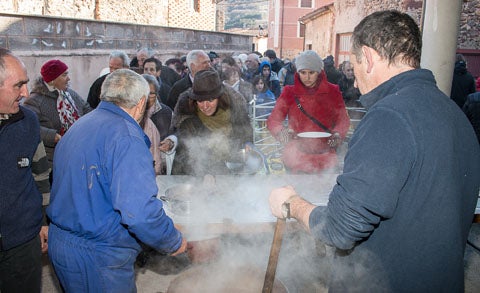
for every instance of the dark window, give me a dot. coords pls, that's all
(301, 31)
(306, 3)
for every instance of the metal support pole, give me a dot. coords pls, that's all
(439, 38)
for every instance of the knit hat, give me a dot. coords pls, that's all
(52, 69)
(309, 60)
(206, 86)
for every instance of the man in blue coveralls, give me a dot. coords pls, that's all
(103, 201)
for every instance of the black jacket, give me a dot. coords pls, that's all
(179, 87)
(93, 98)
(463, 84)
(164, 91)
(163, 120)
(471, 108)
(169, 76)
(277, 64)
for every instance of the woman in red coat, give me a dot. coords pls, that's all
(320, 100)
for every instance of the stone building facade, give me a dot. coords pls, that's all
(84, 45)
(347, 13)
(191, 14)
(285, 31)
(469, 33)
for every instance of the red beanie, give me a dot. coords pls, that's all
(52, 69)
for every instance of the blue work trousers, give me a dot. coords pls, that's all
(83, 265)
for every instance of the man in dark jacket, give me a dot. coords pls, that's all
(117, 60)
(286, 75)
(347, 86)
(400, 213)
(153, 66)
(196, 60)
(471, 108)
(276, 63)
(252, 63)
(333, 75)
(463, 82)
(22, 238)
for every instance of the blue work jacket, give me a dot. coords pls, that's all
(104, 187)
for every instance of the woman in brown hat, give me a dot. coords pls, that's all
(57, 106)
(211, 123)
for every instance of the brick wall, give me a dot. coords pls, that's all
(469, 37)
(85, 44)
(192, 14)
(182, 13)
(469, 34)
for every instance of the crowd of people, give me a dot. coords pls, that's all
(250, 79)
(142, 118)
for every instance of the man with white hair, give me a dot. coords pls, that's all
(196, 60)
(116, 60)
(103, 199)
(141, 55)
(252, 63)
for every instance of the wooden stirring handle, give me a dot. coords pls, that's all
(273, 259)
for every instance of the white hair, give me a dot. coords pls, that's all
(125, 88)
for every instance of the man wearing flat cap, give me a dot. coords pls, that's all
(211, 123)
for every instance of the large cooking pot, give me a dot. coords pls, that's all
(221, 277)
(178, 199)
(185, 199)
(245, 162)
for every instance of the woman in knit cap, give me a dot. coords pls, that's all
(57, 106)
(211, 123)
(312, 105)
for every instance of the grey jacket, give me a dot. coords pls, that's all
(44, 103)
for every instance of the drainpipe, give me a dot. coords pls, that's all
(439, 37)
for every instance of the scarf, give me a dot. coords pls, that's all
(221, 128)
(66, 110)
